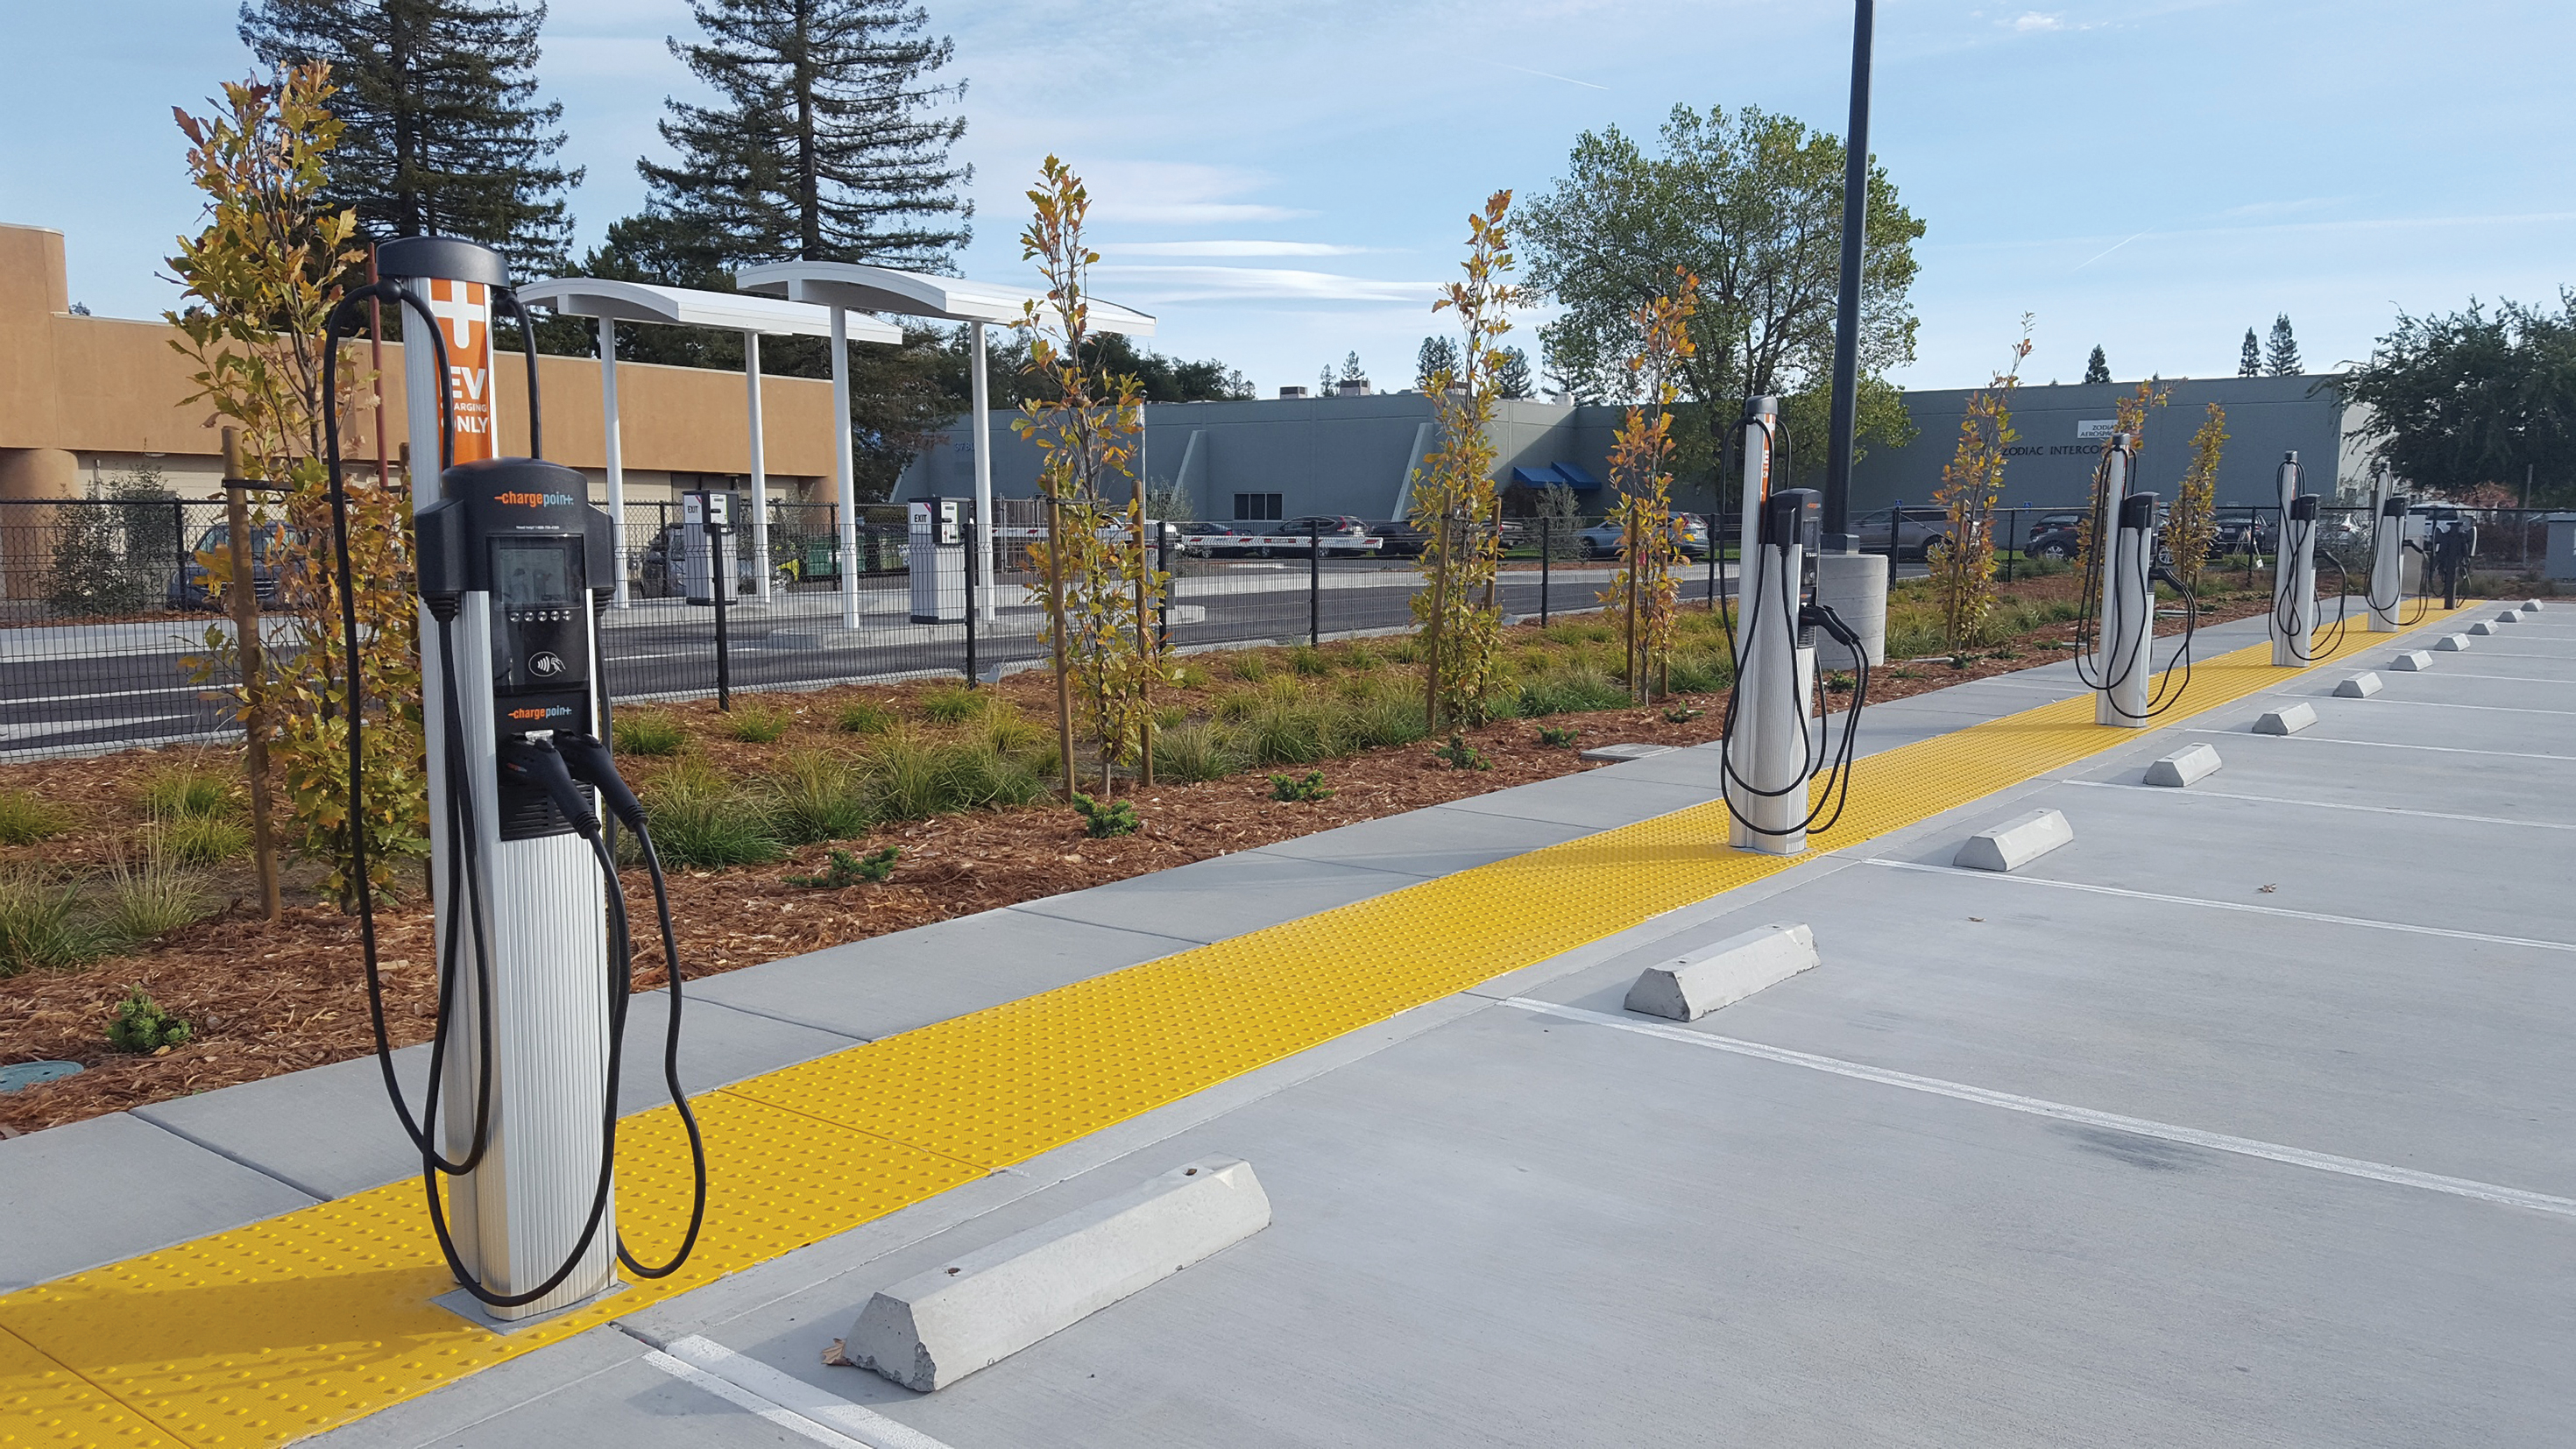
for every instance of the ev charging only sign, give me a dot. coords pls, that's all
(464, 313)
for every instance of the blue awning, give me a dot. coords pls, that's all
(1575, 477)
(1537, 478)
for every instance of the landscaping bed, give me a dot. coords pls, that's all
(752, 804)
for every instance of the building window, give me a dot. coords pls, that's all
(1258, 507)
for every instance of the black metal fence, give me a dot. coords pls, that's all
(103, 604)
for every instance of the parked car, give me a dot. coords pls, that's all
(2054, 535)
(1606, 540)
(2242, 527)
(1338, 533)
(1911, 536)
(1398, 538)
(657, 578)
(190, 587)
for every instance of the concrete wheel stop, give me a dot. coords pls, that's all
(2413, 661)
(2015, 843)
(2185, 766)
(2289, 719)
(2357, 686)
(2484, 628)
(1690, 987)
(936, 1327)
(2452, 644)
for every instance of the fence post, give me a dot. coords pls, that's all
(1715, 541)
(246, 644)
(1163, 595)
(974, 530)
(1546, 562)
(1314, 585)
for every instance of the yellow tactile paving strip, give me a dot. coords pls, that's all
(291, 1326)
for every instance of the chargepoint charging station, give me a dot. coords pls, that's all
(1771, 746)
(2293, 625)
(2389, 564)
(531, 930)
(2116, 655)
(936, 553)
(707, 546)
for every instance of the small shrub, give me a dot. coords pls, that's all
(1389, 719)
(141, 1026)
(1680, 714)
(649, 733)
(181, 794)
(201, 839)
(1308, 660)
(1407, 650)
(1460, 755)
(1289, 789)
(953, 704)
(1237, 704)
(758, 724)
(1191, 753)
(1013, 733)
(701, 819)
(38, 927)
(865, 718)
(1248, 666)
(818, 797)
(1574, 689)
(25, 819)
(976, 776)
(1701, 672)
(149, 901)
(1285, 733)
(845, 870)
(1191, 676)
(1360, 659)
(1837, 682)
(1557, 737)
(1099, 821)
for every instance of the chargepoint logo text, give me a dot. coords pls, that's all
(534, 500)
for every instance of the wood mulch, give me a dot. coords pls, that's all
(265, 1000)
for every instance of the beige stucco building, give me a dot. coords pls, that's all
(83, 398)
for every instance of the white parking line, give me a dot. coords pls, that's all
(2038, 1107)
(2243, 906)
(2197, 793)
(2382, 744)
(2507, 678)
(2446, 704)
(782, 1399)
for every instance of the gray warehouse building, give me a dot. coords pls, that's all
(1269, 459)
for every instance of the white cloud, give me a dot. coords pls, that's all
(1186, 213)
(2030, 20)
(1197, 284)
(1229, 249)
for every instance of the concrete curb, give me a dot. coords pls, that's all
(934, 1328)
(1692, 986)
(2015, 843)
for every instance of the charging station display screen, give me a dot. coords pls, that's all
(539, 634)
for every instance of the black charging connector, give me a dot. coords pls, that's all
(531, 761)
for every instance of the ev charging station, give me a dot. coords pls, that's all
(2116, 659)
(936, 557)
(2389, 564)
(532, 943)
(1771, 746)
(707, 545)
(2293, 624)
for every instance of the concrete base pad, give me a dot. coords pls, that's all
(934, 1328)
(1690, 987)
(2289, 719)
(1624, 751)
(2184, 766)
(2358, 686)
(2016, 842)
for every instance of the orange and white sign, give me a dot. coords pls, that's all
(464, 313)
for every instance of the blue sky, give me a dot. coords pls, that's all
(1282, 183)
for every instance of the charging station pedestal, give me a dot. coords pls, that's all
(524, 634)
(2124, 647)
(707, 546)
(2388, 560)
(2293, 621)
(1768, 749)
(938, 559)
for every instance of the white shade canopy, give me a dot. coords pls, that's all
(689, 307)
(918, 294)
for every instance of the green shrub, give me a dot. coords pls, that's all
(1569, 690)
(38, 927)
(1701, 672)
(201, 839)
(1289, 789)
(140, 1025)
(1011, 732)
(1191, 676)
(1460, 755)
(1194, 752)
(1680, 714)
(648, 733)
(1360, 659)
(148, 901)
(1308, 660)
(1281, 732)
(758, 724)
(1248, 665)
(1237, 704)
(701, 819)
(819, 797)
(953, 703)
(865, 718)
(1389, 719)
(1558, 737)
(178, 793)
(973, 775)
(25, 819)
(846, 870)
(1405, 650)
(1100, 821)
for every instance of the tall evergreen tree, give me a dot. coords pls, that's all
(1512, 374)
(2249, 363)
(444, 133)
(2097, 368)
(2281, 359)
(1438, 354)
(821, 145)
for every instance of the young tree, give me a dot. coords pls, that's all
(1512, 374)
(1640, 455)
(2281, 358)
(1963, 572)
(2249, 361)
(821, 145)
(1454, 503)
(260, 281)
(2193, 524)
(2476, 397)
(1751, 204)
(1438, 355)
(2097, 368)
(2131, 419)
(1100, 574)
(442, 130)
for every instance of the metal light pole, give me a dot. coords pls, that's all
(1853, 583)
